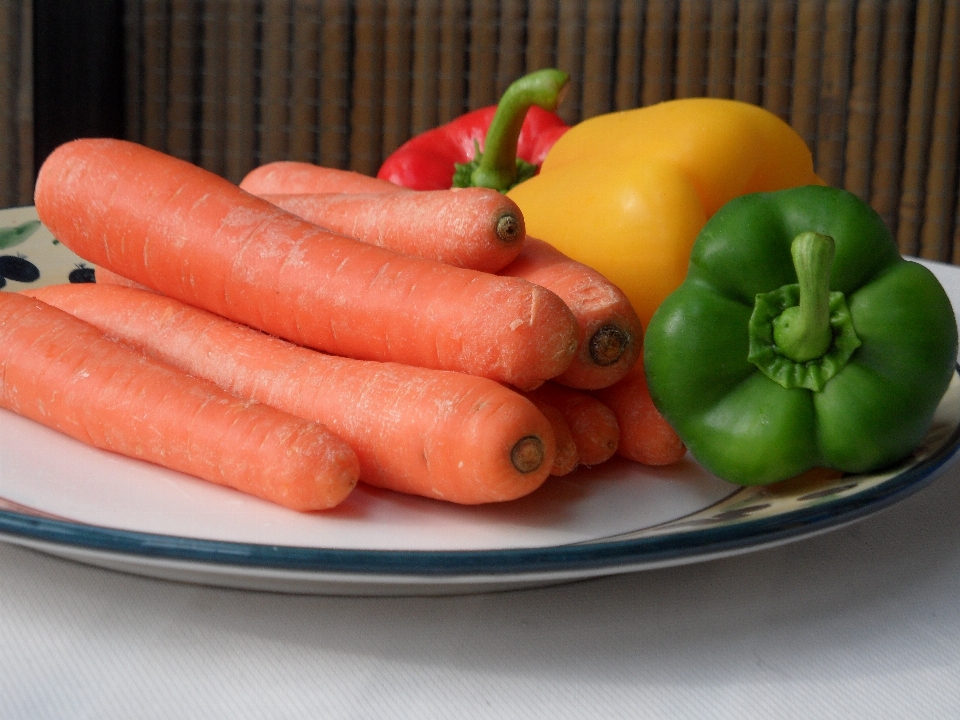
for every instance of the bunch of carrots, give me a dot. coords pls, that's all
(314, 327)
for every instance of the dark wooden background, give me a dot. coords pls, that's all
(873, 86)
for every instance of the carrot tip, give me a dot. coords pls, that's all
(527, 454)
(608, 344)
(509, 228)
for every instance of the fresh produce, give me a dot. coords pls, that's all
(593, 426)
(626, 193)
(610, 333)
(474, 228)
(645, 436)
(289, 177)
(566, 458)
(493, 147)
(192, 235)
(63, 373)
(108, 277)
(428, 432)
(800, 339)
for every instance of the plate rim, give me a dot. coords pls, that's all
(32, 527)
(593, 555)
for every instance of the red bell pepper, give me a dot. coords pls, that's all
(498, 146)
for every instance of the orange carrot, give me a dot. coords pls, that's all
(106, 277)
(610, 333)
(192, 235)
(592, 424)
(566, 458)
(644, 434)
(63, 373)
(430, 432)
(475, 228)
(286, 177)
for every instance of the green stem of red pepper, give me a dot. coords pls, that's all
(497, 166)
(803, 332)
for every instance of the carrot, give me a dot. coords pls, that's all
(285, 177)
(192, 235)
(475, 228)
(593, 426)
(610, 333)
(430, 432)
(645, 436)
(566, 458)
(106, 277)
(63, 373)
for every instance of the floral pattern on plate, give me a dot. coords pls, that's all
(31, 257)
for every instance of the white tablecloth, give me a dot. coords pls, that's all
(862, 622)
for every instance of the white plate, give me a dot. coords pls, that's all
(64, 498)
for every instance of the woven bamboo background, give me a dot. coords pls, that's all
(16, 103)
(873, 86)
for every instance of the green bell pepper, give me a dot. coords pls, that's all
(800, 338)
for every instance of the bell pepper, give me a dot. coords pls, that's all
(495, 147)
(627, 192)
(800, 338)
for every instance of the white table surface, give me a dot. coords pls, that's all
(862, 622)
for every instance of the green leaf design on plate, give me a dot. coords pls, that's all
(15, 235)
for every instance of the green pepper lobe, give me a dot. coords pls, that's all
(800, 338)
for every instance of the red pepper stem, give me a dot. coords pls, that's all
(803, 332)
(498, 165)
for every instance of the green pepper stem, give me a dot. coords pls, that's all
(803, 332)
(498, 165)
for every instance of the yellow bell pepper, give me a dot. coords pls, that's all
(627, 193)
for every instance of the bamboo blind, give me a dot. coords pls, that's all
(873, 86)
(16, 103)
